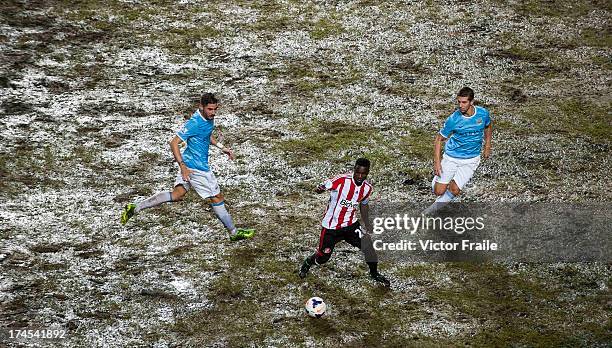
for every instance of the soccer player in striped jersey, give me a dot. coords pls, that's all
(347, 193)
(194, 171)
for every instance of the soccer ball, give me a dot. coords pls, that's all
(315, 307)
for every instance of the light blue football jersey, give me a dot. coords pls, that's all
(196, 134)
(465, 134)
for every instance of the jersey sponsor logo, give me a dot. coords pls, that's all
(469, 133)
(349, 204)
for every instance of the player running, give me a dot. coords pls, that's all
(347, 193)
(463, 132)
(194, 170)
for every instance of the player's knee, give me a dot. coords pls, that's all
(454, 189)
(366, 239)
(178, 194)
(439, 189)
(369, 251)
(366, 244)
(323, 256)
(218, 198)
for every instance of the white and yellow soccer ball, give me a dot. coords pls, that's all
(315, 307)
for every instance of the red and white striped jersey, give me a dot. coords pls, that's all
(344, 200)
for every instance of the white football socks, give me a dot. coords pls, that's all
(439, 203)
(446, 197)
(153, 201)
(224, 216)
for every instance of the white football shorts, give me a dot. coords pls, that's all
(460, 170)
(203, 182)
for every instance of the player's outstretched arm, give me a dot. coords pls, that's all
(329, 184)
(226, 150)
(437, 155)
(174, 146)
(488, 135)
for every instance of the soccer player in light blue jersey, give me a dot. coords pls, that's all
(464, 131)
(194, 171)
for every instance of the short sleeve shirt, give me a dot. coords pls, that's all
(196, 134)
(465, 134)
(345, 198)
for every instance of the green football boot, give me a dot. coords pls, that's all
(127, 213)
(242, 233)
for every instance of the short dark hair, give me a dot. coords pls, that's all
(362, 162)
(466, 92)
(208, 98)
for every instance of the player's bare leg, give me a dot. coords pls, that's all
(178, 193)
(446, 193)
(439, 188)
(454, 189)
(367, 248)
